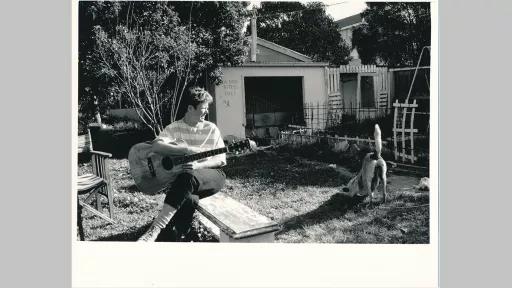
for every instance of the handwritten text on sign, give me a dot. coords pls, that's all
(230, 88)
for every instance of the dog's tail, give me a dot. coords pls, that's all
(378, 140)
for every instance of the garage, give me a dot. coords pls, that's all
(273, 102)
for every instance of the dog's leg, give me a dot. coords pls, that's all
(383, 171)
(369, 190)
(384, 183)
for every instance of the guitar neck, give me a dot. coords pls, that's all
(197, 156)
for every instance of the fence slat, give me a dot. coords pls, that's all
(412, 131)
(403, 131)
(404, 105)
(395, 129)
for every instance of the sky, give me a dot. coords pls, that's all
(339, 9)
(343, 9)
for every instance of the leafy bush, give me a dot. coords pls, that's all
(321, 151)
(364, 128)
(125, 125)
(118, 138)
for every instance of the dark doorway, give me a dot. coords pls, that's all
(367, 92)
(273, 101)
(349, 88)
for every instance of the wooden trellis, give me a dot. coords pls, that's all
(403, 131)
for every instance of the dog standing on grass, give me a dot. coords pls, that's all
(372, 172)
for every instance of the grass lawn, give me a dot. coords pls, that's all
(301, 194)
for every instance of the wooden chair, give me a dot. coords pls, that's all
(96, 185)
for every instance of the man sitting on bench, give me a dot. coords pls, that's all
(197, 179)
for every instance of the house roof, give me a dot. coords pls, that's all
(348, 21)
(281, 49)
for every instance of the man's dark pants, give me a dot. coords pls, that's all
(186, 190)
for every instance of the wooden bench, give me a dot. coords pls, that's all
(231, 221)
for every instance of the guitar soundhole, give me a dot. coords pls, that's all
(167, 163)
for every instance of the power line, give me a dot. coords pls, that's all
(298, 11)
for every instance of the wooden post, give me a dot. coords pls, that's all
(412, 129)
(395, 143)
(404, 116)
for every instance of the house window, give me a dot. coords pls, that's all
(367, 92)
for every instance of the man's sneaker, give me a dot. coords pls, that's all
(168, 234)
(150, 235)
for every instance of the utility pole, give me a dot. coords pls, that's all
(253, 34)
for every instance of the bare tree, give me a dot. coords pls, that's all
(150, 61)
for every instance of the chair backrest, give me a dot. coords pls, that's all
(90, 139)
(99, 159)
(100, 164)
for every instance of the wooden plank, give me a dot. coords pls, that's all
(96, 212)
(406, 138)
(396, 104)
(401, 165)
(407, 156)
(405, 130)
(296, 127)
(262, 238)
(234, 218)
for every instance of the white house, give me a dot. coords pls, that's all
(259, 96)
(346, 28)
(362, 86)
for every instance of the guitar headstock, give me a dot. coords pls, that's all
(241, 146)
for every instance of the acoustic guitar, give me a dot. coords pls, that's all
(152, 171)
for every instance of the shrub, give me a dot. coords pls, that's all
(118, 138)
(364, 128)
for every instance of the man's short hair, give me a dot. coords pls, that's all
(198, 96)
